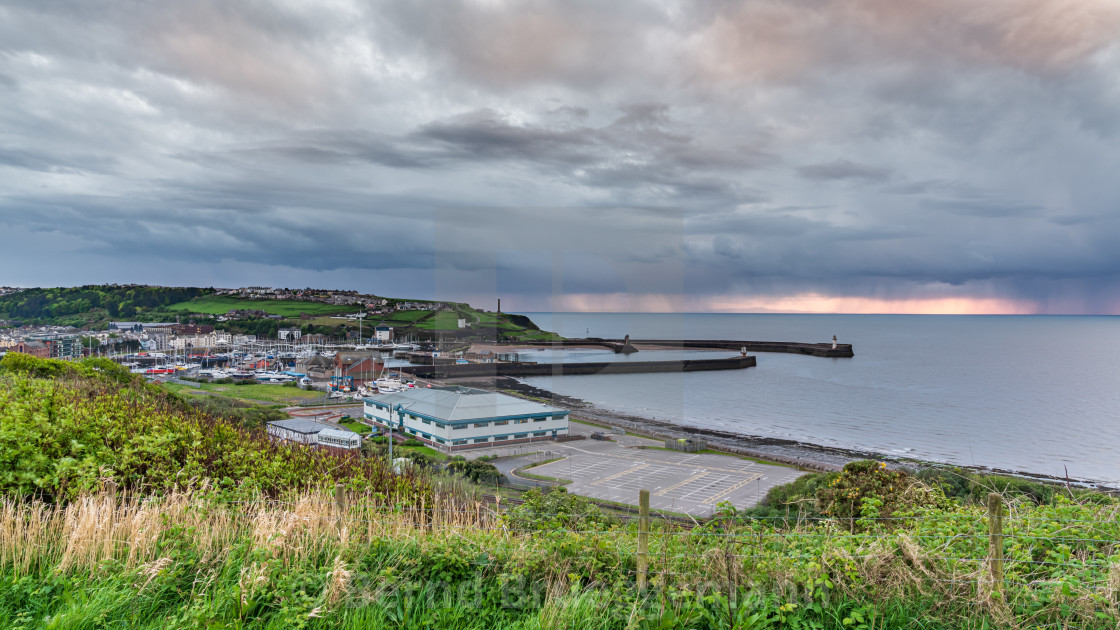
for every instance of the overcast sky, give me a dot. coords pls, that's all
(805, 155)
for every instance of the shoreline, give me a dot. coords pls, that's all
(805, 455)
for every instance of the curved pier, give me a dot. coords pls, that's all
(841, 351)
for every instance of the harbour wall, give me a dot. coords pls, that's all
(558, 369)
(842, 350)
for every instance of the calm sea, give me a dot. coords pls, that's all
(1025, 393)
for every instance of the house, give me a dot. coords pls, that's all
(292, 334)
(337, 439)
(59, 345)
(383, 333)
(453, 418)
(298, 430)
(316, 367)
(34, 348)
(358, 364)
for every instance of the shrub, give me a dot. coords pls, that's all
(476, 471)
(412, 442)
(68, 432)
(869, 490)
(971, 487)
(555, 508)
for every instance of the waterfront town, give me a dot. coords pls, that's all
(360, 367)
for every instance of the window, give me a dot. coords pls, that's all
(457, 442)
(425, 420)
(501, 423)
(441, 425)
(520, 436)
(440, 440)
(540, 433)
(460, 426)
(559, 416)
(539, 419)
(521, 421)
(480, 440)
(481, 425)
(499, 438)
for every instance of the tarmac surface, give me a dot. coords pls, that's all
(688, 483)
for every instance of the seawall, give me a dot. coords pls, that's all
(842, 350)
(558, 369)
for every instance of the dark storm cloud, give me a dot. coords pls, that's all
(720, 150)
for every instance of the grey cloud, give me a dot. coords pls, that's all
(844, 169)
(688, 147)
(984, 208)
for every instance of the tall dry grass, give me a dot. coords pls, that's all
(104, 529)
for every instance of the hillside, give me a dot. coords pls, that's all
(93, 307)
(220, 528)
(67, 428)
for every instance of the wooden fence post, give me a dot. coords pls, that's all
(643, 537)
(339, 504)
(995, 540)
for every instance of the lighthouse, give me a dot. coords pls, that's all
(834, 342)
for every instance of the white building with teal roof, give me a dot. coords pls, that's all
(453, 418)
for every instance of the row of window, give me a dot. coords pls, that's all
(477, 425)
(482, 440)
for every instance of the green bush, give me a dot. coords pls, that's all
(973, 488)
(475, 471)
(871, 491)
(412, 442)
(555, 508)
(66, 427)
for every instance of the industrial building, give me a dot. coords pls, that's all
(454, 418)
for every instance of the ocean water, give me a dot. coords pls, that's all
(1028, 393)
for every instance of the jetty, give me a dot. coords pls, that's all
(831, 350)
(519, 368)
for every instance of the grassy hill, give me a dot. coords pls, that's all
(93, 307)
(220, 528)
(222, 304)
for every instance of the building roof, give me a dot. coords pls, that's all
(342, 434)
(301, 426)
(316, 360)
(463, 404)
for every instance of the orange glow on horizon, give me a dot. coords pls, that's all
(799, 303)
(857, 305)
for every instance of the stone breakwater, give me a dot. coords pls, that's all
(841, 351)
(463, 370)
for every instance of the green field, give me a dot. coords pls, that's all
(220, 305)
(406, 316)
(443, 320)
(356, 427)
(256, 393)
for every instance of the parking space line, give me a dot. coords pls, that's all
(617, 475)
(685, 482)
(719, 495)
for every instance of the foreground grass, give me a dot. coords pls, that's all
(186, 561)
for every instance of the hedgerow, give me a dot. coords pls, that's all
(70, 427)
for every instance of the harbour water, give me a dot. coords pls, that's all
(1028, 393)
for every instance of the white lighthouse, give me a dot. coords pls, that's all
(834, 342)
